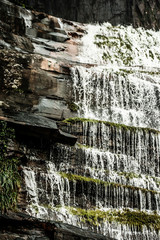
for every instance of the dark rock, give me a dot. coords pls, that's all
(25, 78)
(139, 13)
(58, 37)
(35, 81)
(43, 230)
(55, 36)
(26, 124)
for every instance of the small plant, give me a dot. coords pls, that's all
(9, 176)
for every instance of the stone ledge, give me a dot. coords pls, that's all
(35, 126)
(22, 226)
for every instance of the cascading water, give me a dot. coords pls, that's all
(122, 96)
(124, 87)
(109, 182)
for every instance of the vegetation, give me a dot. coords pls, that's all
(111, 124)
(120, 48)
(132, 71)
(73, 107)
(126, 216)
(129, 175)
(117, 44)
(83, 146)
(9, 176)
(129, 217)
(74, 177)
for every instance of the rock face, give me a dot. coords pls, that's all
(84, 103)
(37, 127)
(137, 12)
(36, 90)
(35, 58)
(23, 227)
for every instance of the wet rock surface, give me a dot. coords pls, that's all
(34, 126)
(36, 52)
(24, 227)
(112, 166)
(137, 12)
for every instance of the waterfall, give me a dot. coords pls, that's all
(120, 46)
(112, 175)
(122, 96)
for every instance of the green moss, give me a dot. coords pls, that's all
(129, 175)
(83, 146)
(73, 107)
(74, 177)
(35, 208)
(48, 206)
(20, 91)
(75, 120)
(118, 45)
(131, 218)
(9, 176)
(111, 124)
(132, 71)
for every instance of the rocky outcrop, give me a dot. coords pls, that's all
(88, 11)
(37, 127)
(146, 14)
(35, 56)
(108, 182)
(24, 227)
(137, 12)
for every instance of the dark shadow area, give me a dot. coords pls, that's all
(136, 12)
(85, 11)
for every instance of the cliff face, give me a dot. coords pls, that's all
(21, 226)
(137, 12)
(36, 90)
(89, 11)
(35, 58)
(84, 101)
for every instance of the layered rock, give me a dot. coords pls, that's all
(21, 226)
(109, 181)
(35, 57)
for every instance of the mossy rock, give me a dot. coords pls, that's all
(125, 216)
(111, 124)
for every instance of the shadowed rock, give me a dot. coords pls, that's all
(27, 124)
(21, 226)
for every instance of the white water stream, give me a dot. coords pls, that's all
(123, 46)
(123, 87)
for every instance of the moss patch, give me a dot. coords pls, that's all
(117, 44)
(132, 71)
(74, 177)
(73, 107)
(110, 124)
(129, 175)
(83, 146)
(131, 218)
